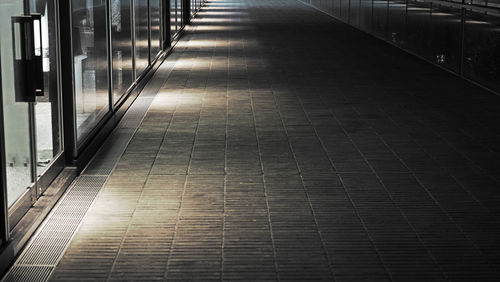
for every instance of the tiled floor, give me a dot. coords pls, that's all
(285, 145)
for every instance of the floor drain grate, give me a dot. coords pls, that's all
(51, 240)
(20, 273)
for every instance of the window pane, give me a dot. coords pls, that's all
(173, 17)
(121, 41)
(141, 36)
(90, 63)
(154, 6)
(179, 14)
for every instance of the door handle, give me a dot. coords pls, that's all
(38, 54)
(28, 54)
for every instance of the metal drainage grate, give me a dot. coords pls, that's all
(51, 240)
(28, 273)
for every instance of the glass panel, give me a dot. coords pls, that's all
(344, 10)
(482, 49)
(336, 8)
(396, 21)
(365, 15)
(379, 20)
(491, 3)
(446, 36)
(47, 118)
(16, 114)
(315, 3)
(154, 7)
(354, 13)
(173, 18)
(121, 42)
(141, 36)
(90, 63)
(179, 15)
(418, 28)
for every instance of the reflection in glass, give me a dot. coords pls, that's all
(141, 36)
(173, 18)
(379, 19)
(155, 12)
(446, 36)
(396, 22)
(482, 49)
(336, 8)
(418, 28)
(90, 63)
(121, 42)
(179, 14)
(432, 30)
(344, 10)
(354, 12)
(365, 14)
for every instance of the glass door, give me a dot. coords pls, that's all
(47, 108)
(30, 100)
(17, 124)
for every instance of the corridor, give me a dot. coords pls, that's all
(276, 144)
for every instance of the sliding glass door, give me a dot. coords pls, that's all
(30, 100)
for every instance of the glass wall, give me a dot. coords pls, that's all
(155, 12)
(434, 30)
(90, 63)
(482, 49)
(121, 47)
(141, 36)
(173, 18)
(179, 14)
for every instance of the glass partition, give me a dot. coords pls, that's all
(482, 49)
(155, 12)
(179, 15)
(173, 18)
(121, 47)
(461, 36)
(90, 63)
(141, 36)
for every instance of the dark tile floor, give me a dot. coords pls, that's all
(286, 145)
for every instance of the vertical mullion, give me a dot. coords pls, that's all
(67, 79)
(132, 22)
(149, 34)
(462, 39)
(110, 54)
(4, 218)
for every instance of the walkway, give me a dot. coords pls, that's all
(285, 145)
